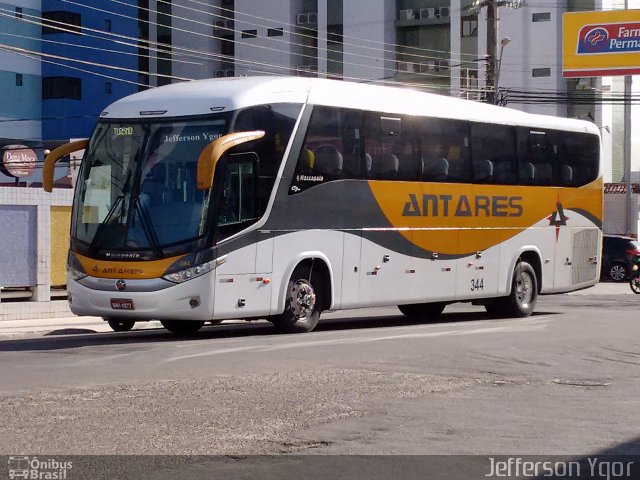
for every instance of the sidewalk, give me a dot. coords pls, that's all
(76, 325)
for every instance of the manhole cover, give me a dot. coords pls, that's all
(581, 382)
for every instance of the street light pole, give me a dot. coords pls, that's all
(503, 43)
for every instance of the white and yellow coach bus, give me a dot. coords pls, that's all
(279, 198)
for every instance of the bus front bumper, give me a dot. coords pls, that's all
(143, 299)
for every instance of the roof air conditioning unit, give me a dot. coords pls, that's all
(312, 18)
(302, 19)
(444, 11)
(429, 66)
(427, 13)
(442, 64)
(408, 14)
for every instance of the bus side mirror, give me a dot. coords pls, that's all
(212, 153)
(54, 156)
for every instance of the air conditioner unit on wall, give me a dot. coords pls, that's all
(312, 18)
(229, 24)
(442, 65)
(220, 24)
(302, 19)
(444, 11)
(427, 13)
(408, 14)
(221, 73)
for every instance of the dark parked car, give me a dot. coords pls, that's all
(618, 256)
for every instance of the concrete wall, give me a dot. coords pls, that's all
(270, 54)
(39, 230)
(614, 214)
(533, 45)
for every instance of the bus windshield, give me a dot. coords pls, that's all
(137, 186)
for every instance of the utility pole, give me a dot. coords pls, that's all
(492, 42)
(492, 39)
(630, 214)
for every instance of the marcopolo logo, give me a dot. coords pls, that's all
(34, 468)
(609, 38)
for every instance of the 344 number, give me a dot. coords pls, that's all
(477, 284)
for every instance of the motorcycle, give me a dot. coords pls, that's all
(634, 282)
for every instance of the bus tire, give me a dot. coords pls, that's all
(424, 312)
(120, 325)
(303, 303)
(524, 294)
(182, 327)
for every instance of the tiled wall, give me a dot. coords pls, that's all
(41, 305)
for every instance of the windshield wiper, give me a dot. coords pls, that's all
(148, 228)
(107, 220)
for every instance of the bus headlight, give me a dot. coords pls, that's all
(189, 273)
(191, 266)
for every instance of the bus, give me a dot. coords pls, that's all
(279, 198)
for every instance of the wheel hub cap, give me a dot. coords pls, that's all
(524, 289)
(302, 299)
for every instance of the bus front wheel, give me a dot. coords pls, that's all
(303, 303)
(182, 327)
(523, 297)
(424, 312)
(119, 325)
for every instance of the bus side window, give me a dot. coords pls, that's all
(445, 150)
(392, 145)
(494, 154)
(537, 153)
(278, 121)
(331, 149)
(578, 159)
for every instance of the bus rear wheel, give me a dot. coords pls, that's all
(424, 312)
(523, 297)
(303, 303)
(182, 327)
(120, 325)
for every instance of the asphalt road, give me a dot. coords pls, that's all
(564, 381)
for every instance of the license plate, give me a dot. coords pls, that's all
(122, 304)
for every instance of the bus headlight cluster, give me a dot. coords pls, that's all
(189, 273)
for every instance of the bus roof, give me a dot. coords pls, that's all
(203, 97)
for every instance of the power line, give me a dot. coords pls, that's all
(236, 42)
(61, 26)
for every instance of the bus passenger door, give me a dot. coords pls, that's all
(243, 286)
(478, 272)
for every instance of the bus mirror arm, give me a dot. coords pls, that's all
(51, 160)
(213, 152)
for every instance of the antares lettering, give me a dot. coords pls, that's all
(122, 271)
(462, 206)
